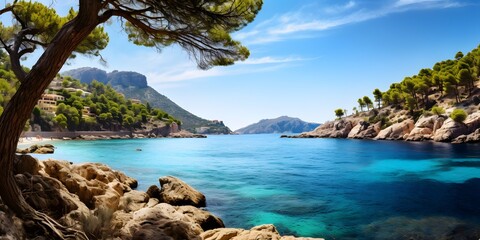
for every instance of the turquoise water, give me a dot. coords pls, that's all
(332, 188)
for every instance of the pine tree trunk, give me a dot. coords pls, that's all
(18, 111)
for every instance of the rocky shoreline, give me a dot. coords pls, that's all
(102, 202)
(180, 134)
(428, 127)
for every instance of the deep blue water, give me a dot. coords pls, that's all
(332, 188)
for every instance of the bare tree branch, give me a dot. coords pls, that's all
(7, 9)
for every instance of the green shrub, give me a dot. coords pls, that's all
(458, 115)
(437, 110)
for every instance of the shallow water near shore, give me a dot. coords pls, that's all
(331, 188)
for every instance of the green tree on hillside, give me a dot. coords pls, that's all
(368, 102)
(339, 113)
(450, 78)
(361, 104)
(459, 55)
(377, 94)
(202, 28)
(466, 79)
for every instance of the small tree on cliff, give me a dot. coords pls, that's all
(339, 113)
(201, 27)
(368, 102)
(378, 96)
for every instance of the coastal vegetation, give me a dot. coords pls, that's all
(83, 107)
(450, 79)
(439, 103)
(453, 79)
(134, 85)
(203, 30)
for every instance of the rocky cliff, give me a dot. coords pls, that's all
(102, 203)
(400, 125)
(282, 124)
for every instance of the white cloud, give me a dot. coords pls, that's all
(433, 3)
(271, 60)
(340, 8)
(304, 23)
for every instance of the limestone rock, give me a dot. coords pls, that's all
(425, 127)
(185, 134)
(44, 150)
(449, 131)
(397, 131)
(176, 192)
(162, 221)
(133, 201)
(365, 130)
(333, 129)
(38, 149)
(473, 121)
(154, 192)
(95, 184)
(263, 232)
(206, 220)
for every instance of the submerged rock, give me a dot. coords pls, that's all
(431, 228)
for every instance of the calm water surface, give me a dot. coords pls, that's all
(332, 188)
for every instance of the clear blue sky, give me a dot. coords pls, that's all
(308, 57)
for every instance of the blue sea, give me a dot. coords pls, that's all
(331, 188)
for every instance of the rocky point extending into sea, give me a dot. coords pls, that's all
(102, 202)
(428, 127)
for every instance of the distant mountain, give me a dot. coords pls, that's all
(282, 124)
(135, 85)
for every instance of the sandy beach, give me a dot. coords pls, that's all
(28, 141)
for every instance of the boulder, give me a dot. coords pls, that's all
(133, 201)
(96, 185)
(206, 220)
(470, 138)
(341, 128)
(154, 192)
(397, 131)
(333, 129)
(162, 221)
(44, 150)
(425, 127)
(176, 192)
(38, 149)
(262, 232)
(473, 122)
(365, 130)
(449, 131)
(185, 134)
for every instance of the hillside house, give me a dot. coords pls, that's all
(48, 102)
(86, 112)
(133, 100)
